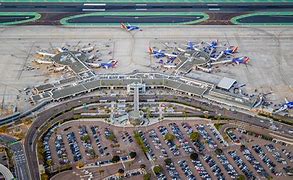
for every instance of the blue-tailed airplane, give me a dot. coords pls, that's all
(192, 46)
(213, 44)
(286, 105)
(161, 53)
(231, 50)
(129, 27)
(241, 60)
(109, 64)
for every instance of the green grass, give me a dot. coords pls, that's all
(235, 20)
(35, 15)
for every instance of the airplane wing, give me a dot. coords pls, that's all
(170, 55)
(131, 28)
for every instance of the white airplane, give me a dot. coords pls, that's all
(285, 106)
(94, 65)
(169, 66)
(160, 53)
(218, 57)
(192, 46)
(45, 54)
(58, 69)
(87, 49)
(43, 62)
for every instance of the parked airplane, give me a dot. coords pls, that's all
(231, 50)
(43, 62)
(218, 57)
(192, 46)
(45, 54)
(63, 49)
(94, 65)
(87, 49)
(109, 64)
(286, 105)
(213, 44)
(241, 60)
(160, 53)
(169, 66)
(129, 27)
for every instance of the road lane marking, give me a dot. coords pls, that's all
(141, 4)
(92, 4)
(141, 9)
(214, 9)
(212, 4)
(93, 9)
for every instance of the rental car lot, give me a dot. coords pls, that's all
(95, 141)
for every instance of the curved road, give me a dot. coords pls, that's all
(21, 166)
(34, 133)
(6, 172)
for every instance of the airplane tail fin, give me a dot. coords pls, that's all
(123, 26)
(247, 59)
(286, 100)
(151, 50)
(235, 49)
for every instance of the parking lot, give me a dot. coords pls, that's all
(168, 144)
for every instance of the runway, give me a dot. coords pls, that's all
(136, 19)
(52, 13)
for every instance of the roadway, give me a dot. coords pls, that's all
(53, 12)
(6, 172)
(21, 166)
(34, 133)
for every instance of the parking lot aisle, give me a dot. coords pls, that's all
(53, 149)
(248, 164)
(259, 160)
(84, 158)
(164, 145)
(217, 140)
(279, 166)
(214, 157)
(192, 167)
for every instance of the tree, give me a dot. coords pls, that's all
(147, 176)
(194, 156)
(241, 177)
(218, 151)
(101, 171)
(157, 169)
(168, 161)
(242, 147)
(121, 171)
(85, 138)
(142, 166)
(194, 136)
(115, 159)
(132, 154)
(169, 137)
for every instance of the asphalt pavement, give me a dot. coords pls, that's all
(43, 117)
(134, 19)
(52, 13)
(21, 166)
